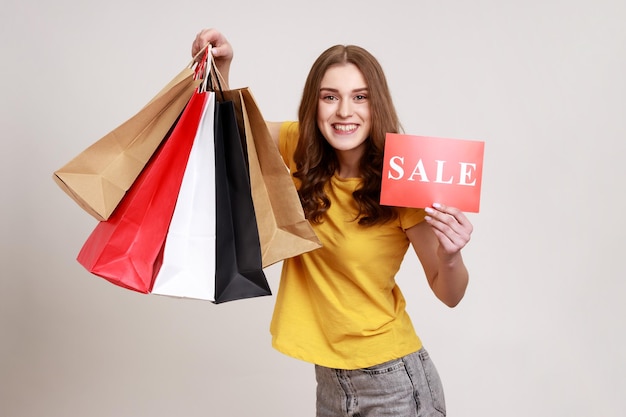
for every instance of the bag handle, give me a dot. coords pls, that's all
(215, 77)
(207, 70)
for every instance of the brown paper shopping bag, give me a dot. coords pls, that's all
(99, 177)
(284, 232)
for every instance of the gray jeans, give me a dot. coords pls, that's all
(405, 387)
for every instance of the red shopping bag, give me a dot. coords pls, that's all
(125, 249)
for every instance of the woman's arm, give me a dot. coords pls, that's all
(223, 55)
(438, 241)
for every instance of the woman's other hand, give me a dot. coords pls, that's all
(451, 226)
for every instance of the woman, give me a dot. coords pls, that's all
(339, 306)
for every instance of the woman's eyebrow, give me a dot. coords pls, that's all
(334, 90)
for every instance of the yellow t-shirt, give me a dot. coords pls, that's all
(339, 306)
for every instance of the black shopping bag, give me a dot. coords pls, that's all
(239, 271)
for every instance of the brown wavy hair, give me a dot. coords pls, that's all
(316, 161)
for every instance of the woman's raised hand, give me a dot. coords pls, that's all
(221, 49)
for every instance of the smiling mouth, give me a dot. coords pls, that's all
(346, 128)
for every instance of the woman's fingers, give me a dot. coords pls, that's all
(221, 47)
(450, 225)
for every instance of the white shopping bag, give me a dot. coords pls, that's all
(188, 268)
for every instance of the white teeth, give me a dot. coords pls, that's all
(345, 128)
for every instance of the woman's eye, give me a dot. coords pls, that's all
(330, 98)
(360, 97)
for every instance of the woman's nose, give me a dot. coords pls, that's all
(344, 109)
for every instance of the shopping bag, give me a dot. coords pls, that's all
(188, 260)
(239, 269)
(284, 232)
(125, 249)
(99, 177)
(284, 229)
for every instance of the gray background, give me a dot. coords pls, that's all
(540, 331)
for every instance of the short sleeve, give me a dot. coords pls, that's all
(409, 216)
(287, 142)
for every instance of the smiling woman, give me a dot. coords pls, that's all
(343, 115)
(339, 307)
(348, 68)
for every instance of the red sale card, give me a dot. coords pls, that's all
(419, 171)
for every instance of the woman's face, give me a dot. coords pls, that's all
(343, 109)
